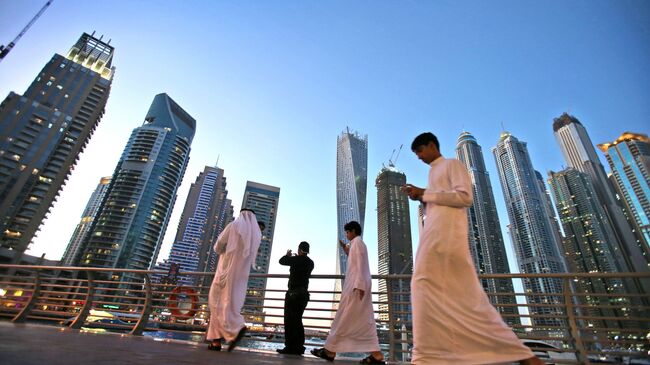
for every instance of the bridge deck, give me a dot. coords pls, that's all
(34, 344)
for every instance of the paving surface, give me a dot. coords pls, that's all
(35, 344)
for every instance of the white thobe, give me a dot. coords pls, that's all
(353, 328)
(453, 319)
(237, 251)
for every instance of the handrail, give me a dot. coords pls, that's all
(580, 324)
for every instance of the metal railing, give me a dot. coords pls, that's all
(573, 326)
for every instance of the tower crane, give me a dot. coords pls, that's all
(392, 162)
(5, 50)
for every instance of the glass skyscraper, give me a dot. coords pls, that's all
(485, 239)
(395, 249)
(580, 154)
(74, 250)
(587, 245)
(131, 222)
(351, 184)
(629, 158)
(203, 218)
(44, 131)
(530, 227)
(264, 200)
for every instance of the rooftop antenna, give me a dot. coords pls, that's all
(216, 164)
(5, 50)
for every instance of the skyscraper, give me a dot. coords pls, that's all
(43, 132)
(351, 183)
(629, 158)
(74, 250)
(263, 199)
(580, 154)
(530, 228)
(395, 248)
(133, 217)
(201, 222)
(586, 244)
(485, 239)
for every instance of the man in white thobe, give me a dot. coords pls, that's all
(353, 328)
(453, 319)
(237, 247)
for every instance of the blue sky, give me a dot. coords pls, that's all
(272, 84)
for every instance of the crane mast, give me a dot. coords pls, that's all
(5, 50)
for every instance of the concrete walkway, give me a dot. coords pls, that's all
(34, 344)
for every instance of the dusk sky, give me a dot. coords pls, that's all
(272, 83)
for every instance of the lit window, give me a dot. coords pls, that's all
(59, 87)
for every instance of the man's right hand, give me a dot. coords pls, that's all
(413, 192)
(288, 253)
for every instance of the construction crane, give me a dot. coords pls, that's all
(5, 50)
(392, 162)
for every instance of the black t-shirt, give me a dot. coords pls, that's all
(299, 271)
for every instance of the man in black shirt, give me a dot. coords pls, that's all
(295, 301)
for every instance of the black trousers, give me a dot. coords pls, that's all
(295, 302)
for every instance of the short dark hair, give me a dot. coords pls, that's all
(423, 140)
(304, 246)
(262, 225)
(353, 226)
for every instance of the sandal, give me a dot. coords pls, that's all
(322, 354)
(214, 347)
(240, 335)
(371, 360)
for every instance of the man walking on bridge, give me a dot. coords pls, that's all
(453, 319)
(237, 247)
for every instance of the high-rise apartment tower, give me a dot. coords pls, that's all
(485, 239)
(530, 228)
(395, 249)
(263, 200)
(44, 131)
(131, 222)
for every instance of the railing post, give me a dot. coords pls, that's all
(391, 320)
(146, 309)
(574, 331)
(88, 303)
(22, 316)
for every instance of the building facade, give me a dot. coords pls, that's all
(535, 243)
(73, 251)
(203, 218)
(131, 222)
(629, 158)
(44, 131)
(587, 245)
(485, 239)
(580, 154)
(395, 248)
(351, 185)
(263, 200)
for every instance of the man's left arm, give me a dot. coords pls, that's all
(460, 194)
